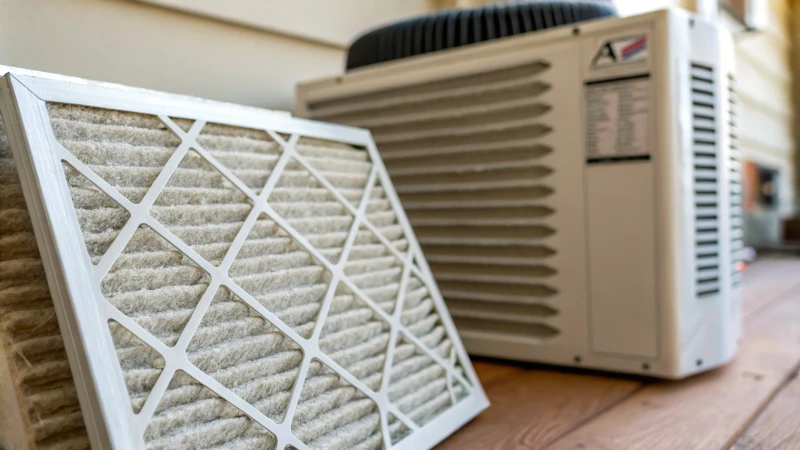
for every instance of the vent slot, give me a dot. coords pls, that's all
(706, 181)
(493, 83)
(467, 157)
(737, 219)
(525, 330)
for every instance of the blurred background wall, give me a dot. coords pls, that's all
(214, 52)
(254, 51)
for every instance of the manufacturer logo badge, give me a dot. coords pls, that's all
(620, 51)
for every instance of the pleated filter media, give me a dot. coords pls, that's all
(222, 277)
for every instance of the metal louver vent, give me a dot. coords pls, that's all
(466, 157)
(706, 186)
(737, 221)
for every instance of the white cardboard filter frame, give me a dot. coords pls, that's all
(83, 312)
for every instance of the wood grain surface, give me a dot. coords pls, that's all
(535, 407)
(752, 403)
(778, 427)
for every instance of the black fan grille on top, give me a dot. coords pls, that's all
(455, 28)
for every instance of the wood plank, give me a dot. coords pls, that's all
(491, 372)
(710, 410)
(768, 53)
(755, 76)
(759, 285)
(535, 407)
(764, 128)
(778, 427)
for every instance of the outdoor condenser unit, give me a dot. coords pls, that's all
(575, 190)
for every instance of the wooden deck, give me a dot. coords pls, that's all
(753, 403)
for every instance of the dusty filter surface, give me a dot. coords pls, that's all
(36, 387)
(276, 263)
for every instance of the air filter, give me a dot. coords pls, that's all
(222, 277)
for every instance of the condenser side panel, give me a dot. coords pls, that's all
(620, 194)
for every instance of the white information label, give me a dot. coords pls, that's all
(618, 119)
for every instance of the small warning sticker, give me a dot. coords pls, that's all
(618, 119)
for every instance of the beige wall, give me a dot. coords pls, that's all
(624, 7)
(632, 7)
(794, 29)
(335, 22)
(766, 115)
(143, 45)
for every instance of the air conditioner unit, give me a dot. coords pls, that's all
(576, 191)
